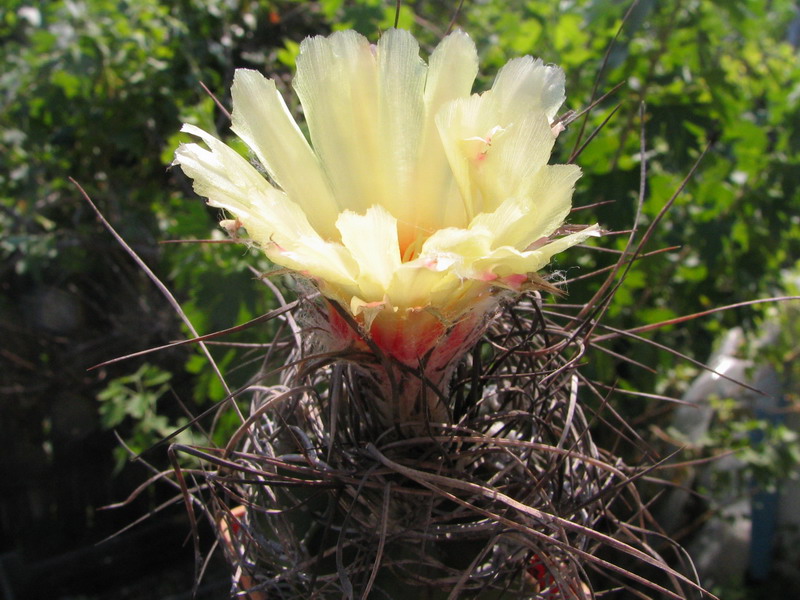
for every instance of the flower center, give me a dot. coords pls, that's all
(410, 239)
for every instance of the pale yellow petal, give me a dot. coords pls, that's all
(220, 174)
(456, 250)
(550, 196)
(461, 123)
(337, 84)
(401, 81)
(560, 244)
(506, 261)
(364, 106)
(522, 220)
(371, 240)
(271, 219)
(513, 158)
(415, 286)
(451, 73)
(493, 159)
(261, 118)
(452, 69)
(526, 84)
(509, 222)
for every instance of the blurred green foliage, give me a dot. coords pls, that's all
(97, 90)
(131, 400)
(768, 450)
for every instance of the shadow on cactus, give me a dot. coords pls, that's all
(420, 426)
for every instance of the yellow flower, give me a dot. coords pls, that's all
(414, 202)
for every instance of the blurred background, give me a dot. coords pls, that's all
(97, 90)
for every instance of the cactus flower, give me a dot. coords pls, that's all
(412, 203)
